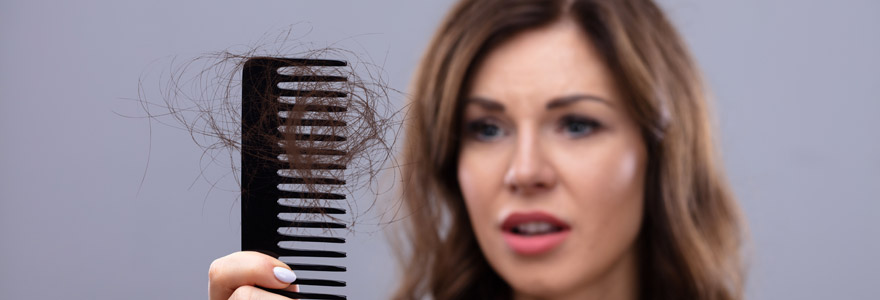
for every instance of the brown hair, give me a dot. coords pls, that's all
(689, 243)
(326, 126)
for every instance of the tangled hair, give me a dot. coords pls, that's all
(356, 133)
(691, 235)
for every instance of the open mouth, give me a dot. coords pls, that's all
(535, 228)
(534, 233)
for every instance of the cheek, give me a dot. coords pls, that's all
(618, 172)
(472, 177)
(467, 178)
(609, 183)
(479, 176)
(610, 170)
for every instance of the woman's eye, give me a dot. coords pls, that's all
(484, 130)
(578, 126)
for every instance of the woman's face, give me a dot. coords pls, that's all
(552, 167)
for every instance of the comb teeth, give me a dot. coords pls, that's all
(310, 238)
(313, 107)
(268, 210)
(312, 180)
(294, 295)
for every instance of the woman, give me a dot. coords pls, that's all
(556, 150)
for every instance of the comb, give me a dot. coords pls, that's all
(288, 116)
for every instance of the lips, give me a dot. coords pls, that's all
(534, 233)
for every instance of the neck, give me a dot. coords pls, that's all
(621, 282)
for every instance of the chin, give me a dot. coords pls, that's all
(564, 272)
(546, 276)
(541, 286)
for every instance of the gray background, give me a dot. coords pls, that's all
(796, 84)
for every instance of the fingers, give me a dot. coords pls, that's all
(230, 273)
(247, 292)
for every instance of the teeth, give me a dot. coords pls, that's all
(531, 228)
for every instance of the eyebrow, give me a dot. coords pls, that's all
(492, 105)
(568, 100)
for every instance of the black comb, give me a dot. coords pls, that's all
(266, 112)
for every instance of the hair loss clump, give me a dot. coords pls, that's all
(327, 129)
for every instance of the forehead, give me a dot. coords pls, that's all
(541, 64)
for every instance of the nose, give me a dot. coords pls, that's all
(529, 172)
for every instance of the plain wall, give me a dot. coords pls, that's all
(94, 205)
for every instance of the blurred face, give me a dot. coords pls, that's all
(552, 168)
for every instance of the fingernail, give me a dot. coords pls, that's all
(284, 274)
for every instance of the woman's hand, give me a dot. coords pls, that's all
(235, 276)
